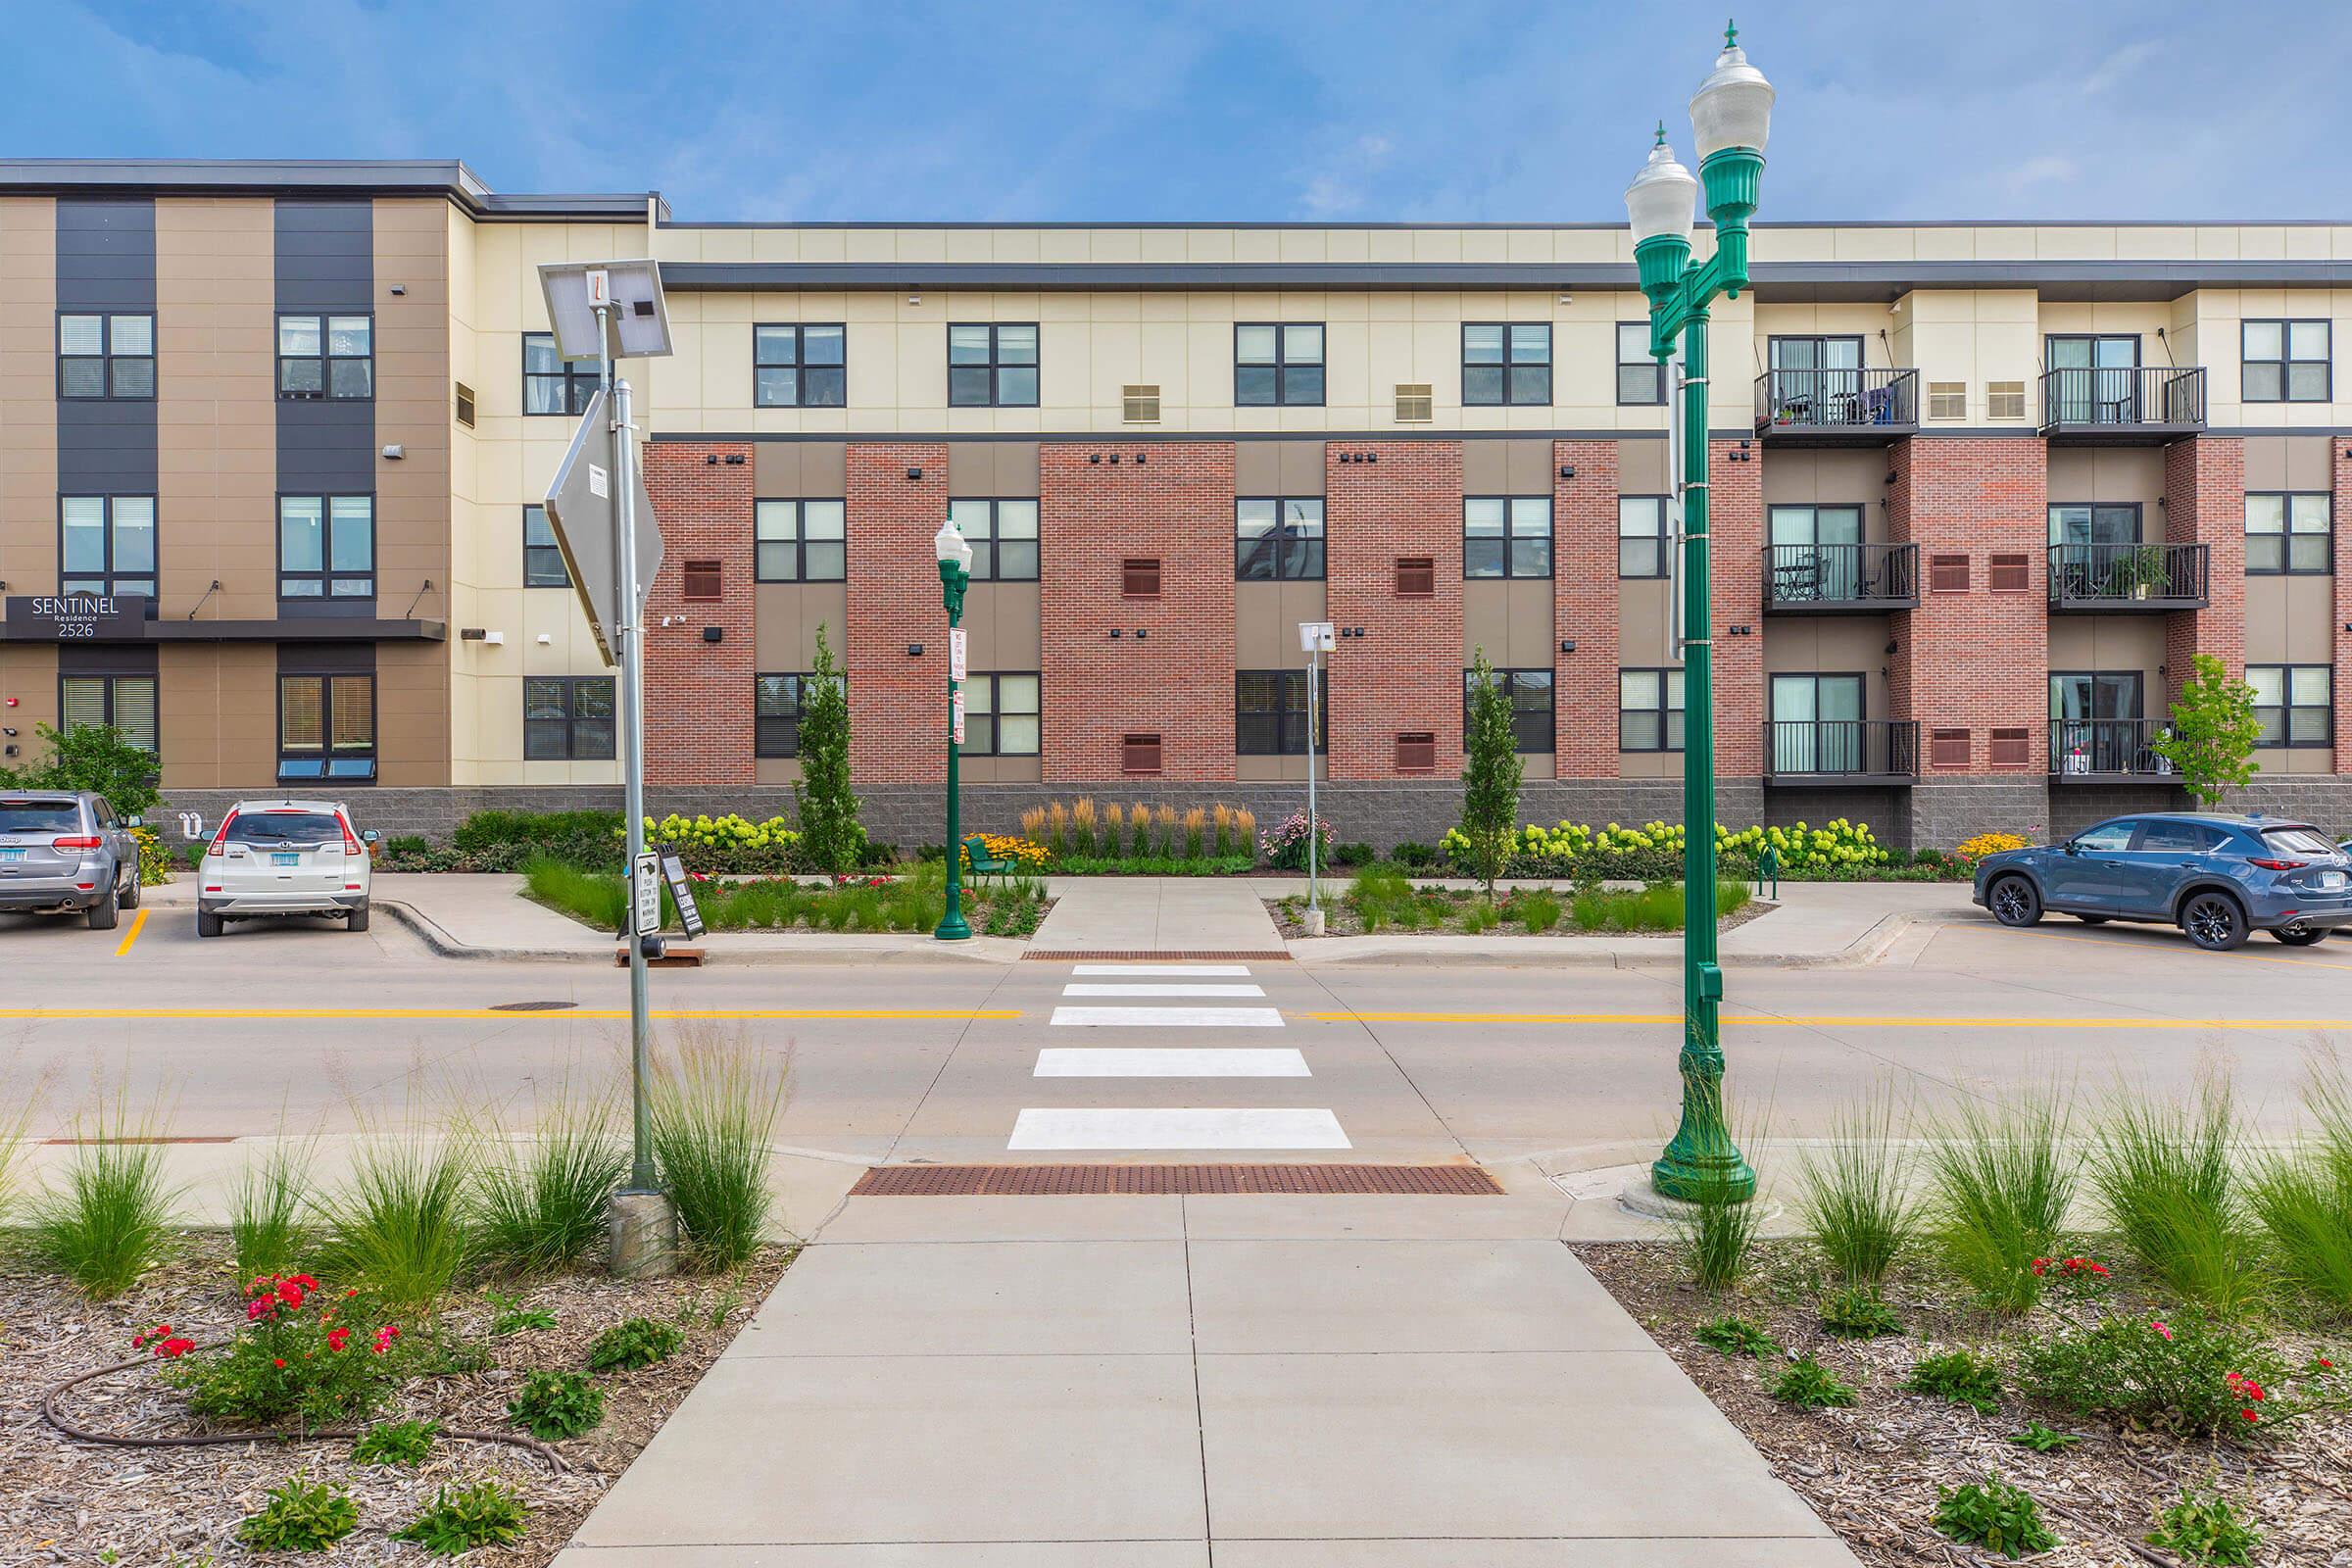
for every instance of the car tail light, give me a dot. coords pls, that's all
(351, 840)
(220, 837)
(86, 841)
(2277, 865)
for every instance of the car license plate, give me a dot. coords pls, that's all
(11, 855)
(285, 857)
(2327, 881)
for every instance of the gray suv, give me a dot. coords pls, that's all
(65, 850)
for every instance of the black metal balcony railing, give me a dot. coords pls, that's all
(2108, 397)
(2106, 748)
(1863, 576)
(1849, 750)
(1855, 400)
(2129, 576)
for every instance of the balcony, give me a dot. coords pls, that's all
(2105, 750)
(1841, 752)
(2123, 405)
(2110, 579)
(1839, 579)
(1836, 407)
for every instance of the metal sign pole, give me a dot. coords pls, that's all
(1314, 681)
(632, 743)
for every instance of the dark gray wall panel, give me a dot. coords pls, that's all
(105, 262)
(325, 261)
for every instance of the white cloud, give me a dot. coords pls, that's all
(2049, 169)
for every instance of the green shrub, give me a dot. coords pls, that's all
(1414, 856)
(157, 862)
(1354, 853)
(1810, 1386)
(2169, 1374)
(98, 758)
(2000, 1185)
(508, 1315)
(832, 838)
(303, 1354)
(267, 1225)
(2204, 1528)
(1960, 1377)
(301, 1517)
(1858, 1312)
(402, 1226)
(1855, 1194)
(502, 840)
(1992, 1514)
(543, 1207)
(634, 1343)
(1538, 911)
(1656, 908)
(461, 1518)
(111, 1221)
(2042, 1440)
(1737, 1335)
(553, 1405)
(400, 1443)
(714, 1107)
(2163, 1175)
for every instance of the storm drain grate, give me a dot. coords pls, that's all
(532, 1006)
(1147, 954)
(1078, 1181)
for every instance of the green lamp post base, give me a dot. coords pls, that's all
(953, 926)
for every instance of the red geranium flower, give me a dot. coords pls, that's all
(280, 1361)
(2042, 1266)
(172, 1349)
(337, 1339)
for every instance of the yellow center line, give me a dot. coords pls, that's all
(1832, 1020)
(956, 1014)
(138, 924)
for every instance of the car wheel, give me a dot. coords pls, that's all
(2015, 902)
(2300, 936)
(207, 924)
(358, 917)
(103, 914)
(131, 895)
(2214, 921)
(2092, 920)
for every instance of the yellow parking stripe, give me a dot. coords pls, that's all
(957, 1014)
(1834, 1020)
(138, 924)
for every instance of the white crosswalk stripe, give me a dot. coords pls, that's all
(1169, 1017)
(1226, 988)
(1145, 1062)
(1203, 969)
(1153, 1128)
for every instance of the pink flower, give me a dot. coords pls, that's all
(2158, 1325)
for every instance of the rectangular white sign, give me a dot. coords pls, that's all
(1316, 635)
(645, 900)
(955, 718)
(956, 647)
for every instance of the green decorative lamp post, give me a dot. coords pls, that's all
(1729, 116)
(955, 576)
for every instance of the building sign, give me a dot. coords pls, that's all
(76, 618)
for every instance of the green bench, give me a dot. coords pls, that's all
(976, 850)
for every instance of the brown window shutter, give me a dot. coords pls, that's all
(702, 579)
(2011, 748)
(1947, 749)
(1139, 577)
(1417, 753)
(1416, 576)
(1139, 753)
(2009, 574)
(1947, 574)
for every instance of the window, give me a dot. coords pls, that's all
(778, 703)
(465, 396)
(106, 545)
(1948, 400)
(2086, 697)
(1947, 574)
(1640, 378)
(567, 718)
(1416, 403)
(1138, 404)
(1506, 536)
(992, 366)
(1530, 694)
(1506, 363)
(105, 356)
(1814, 555)
(2093, 380)
(1650, 709)
(327, 727)
(2078, 525)
(1269, 712)
(2295, 704)
(1641, 536)
(1817, 380)
(1002, 535)
(125, 702)
(1817, 725)
(799, 367)
(541, 557)
(2109, 838)
(2286, 361)
(1139, 753)
(549, 384)
(800, 541)
(702, 580)
(326, 357)
(2156, 834)
(1000, 716)
(2011, 574)
(327, 547)
(1278, 538)
(2288, 534)
(1278, 364)
(2005, 399)
(1416, 576)
(1139, 577)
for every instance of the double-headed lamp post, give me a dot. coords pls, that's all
(1729, 116)
(955, 576)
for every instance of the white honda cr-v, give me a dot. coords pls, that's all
(277, 858)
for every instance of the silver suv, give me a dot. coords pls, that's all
(65, 850)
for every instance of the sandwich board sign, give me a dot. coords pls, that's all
(581, 512)
(673, 872)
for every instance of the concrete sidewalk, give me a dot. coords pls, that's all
(1156, 914)
(1126, 1382)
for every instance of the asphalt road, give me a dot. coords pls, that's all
(938, 1061)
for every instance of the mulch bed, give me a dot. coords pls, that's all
(1341, 920)
(1871, 1472)
(73, 1503)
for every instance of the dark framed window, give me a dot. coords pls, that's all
(106, 545)
(800, 541)
(123, 703)
(1530, 694)
(1278, 538)
(567, 718)
(777, 705)
(2289, 532)
(2295, 704)
(2112, 523)
(1640, 378)
(1650, 709)
(541, 557)
(1269, 712)
(1506, 363)
(2091, 694)
(1003, 534)
(1641, 536)
(552, 385)
(105, 356)
(1506, 536)
(1278, 363)
(2285, 361)
(325, 355)
(992, 366)
(327, 727)
(802, 367)
(1001, 716)
(327, 547)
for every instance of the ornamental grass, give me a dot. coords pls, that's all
(541, 1206)
(2165, 1177)
(2000, 1182)
(715, 1102)
(2303, 1197)
(1854, 1190)
(110, 1219)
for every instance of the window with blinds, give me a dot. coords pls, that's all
(123, 703)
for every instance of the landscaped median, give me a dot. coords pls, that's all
(912, 902)
(1384, 900)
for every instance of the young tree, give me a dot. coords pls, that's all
(2211, 739)
(1491, 775)
(831, 837)
(94, 758)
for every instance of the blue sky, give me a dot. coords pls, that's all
(1431, 112)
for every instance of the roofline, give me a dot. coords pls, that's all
(314, 177)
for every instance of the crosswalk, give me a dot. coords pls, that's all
(1169, 996)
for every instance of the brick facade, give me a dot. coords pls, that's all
(897, 700)
(1169, 669)
(1735, 582)
(1381, 500)
(1585, 609)
(2205, 503)
(698, 712)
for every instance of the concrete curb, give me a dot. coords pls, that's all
(1542, 953)
(809, 946)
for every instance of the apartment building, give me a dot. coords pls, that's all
(272, 435)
